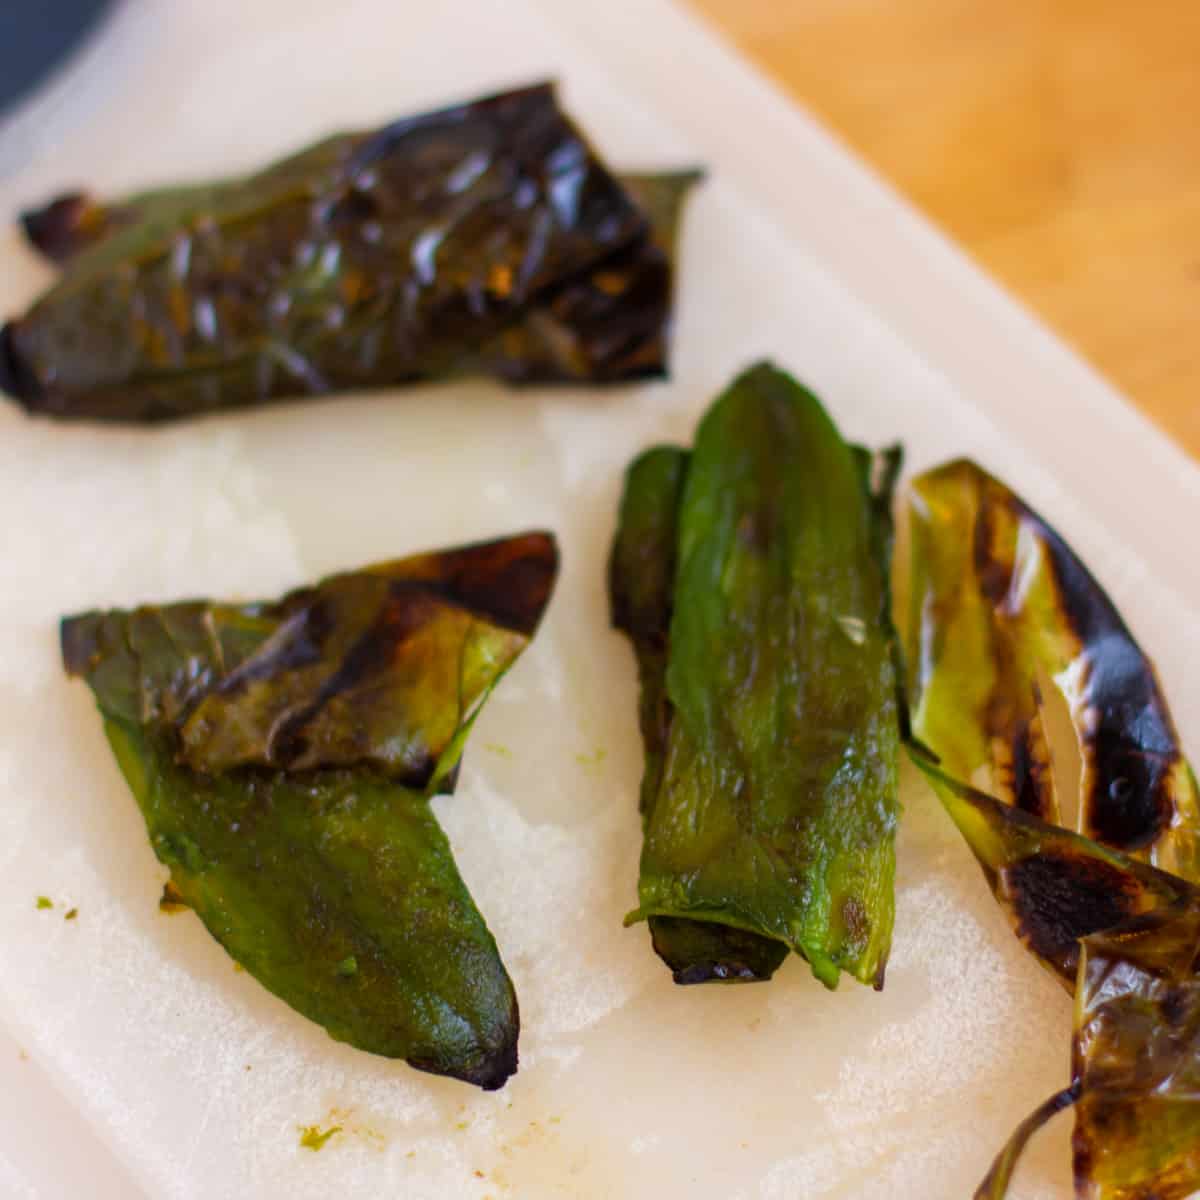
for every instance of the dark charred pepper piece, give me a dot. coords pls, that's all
(482, 238)
(283, 756)
(998, 600)
(1057, 887)
(775, 807)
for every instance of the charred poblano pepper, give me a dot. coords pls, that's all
(486, 238)
(1000, 603)
(747, 574)
(283, 756)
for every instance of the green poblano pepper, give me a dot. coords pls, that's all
(486, 238)
(751, 576)
(284, 755)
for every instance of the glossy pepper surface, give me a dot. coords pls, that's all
(748, 573)
(484, 238)
(283, 756)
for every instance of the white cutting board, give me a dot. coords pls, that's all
(138, 1062)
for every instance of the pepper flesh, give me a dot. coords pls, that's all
(283, 756)
(641, 586)
(998, 601)
(775, 807)
(484, 238)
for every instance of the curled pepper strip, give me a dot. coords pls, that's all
(998, 600)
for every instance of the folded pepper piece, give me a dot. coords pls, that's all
(748, 576)
(283, 756)
(485, 238)
(999, 601)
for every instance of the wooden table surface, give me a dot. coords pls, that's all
(1057, 140)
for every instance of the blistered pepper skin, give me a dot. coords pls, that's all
(774, 809)
(486, 238)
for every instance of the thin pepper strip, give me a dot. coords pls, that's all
(998, 601)
(484, 238)
(283, 756)
(641, 586)
(775, 809)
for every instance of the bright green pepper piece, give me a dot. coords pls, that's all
(775, 807)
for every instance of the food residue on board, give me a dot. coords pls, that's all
(171, 901)
(313, 1137)
(592, 762)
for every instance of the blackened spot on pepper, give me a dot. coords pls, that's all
(1175, 1005)
(1030, 785)
(66, 225)
(1060, 897)
(507, 581)
(994, 576)
(353, 208)
(1131, 806)
(703, 952)
(15, 376)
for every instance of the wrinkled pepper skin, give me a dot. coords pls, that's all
(487, 238)
(641, 587)
(774, 808)
(997, 596)
(999, 600)
(283, 756)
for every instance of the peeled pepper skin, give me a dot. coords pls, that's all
(999, 601)
(487, 238)
(776, 808)
(284, 755)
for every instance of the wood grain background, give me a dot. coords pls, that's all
(1057, 140)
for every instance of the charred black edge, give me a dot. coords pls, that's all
(496, 1066)
(1138, 878)
(741, 956)
(77, 641)
(530, 589)
(1059, 898)
(382, 141)
(731, 971)
(56, 229)
(1143, 755)
(16, 377)
(516, 595)
(1136, 741)
(511, 591)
